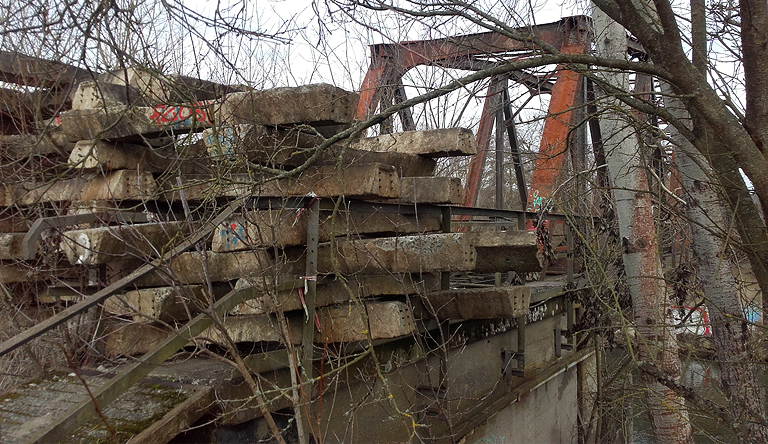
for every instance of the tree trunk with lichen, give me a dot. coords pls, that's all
(655, 337)
(730, 329)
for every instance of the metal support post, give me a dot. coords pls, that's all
(519, 354)
(310, 285)
(500, 145)
(445, 284)
(569, 308)
(522, 189)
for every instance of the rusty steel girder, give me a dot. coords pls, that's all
(389, 62)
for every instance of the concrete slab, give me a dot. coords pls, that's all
(475, 303)
(107, 244)
(355, 321)
(432, 190)
(346, 323)
(312, 104)
(117, 185)
(286, 228)
(407, 165)
(100, 155)
(196, 268)
(14, 221)
(430, 143)
(19, 146)
(362, 181)
(405, 254)
(165, 304)
(141, 87)
(259, 144)
(16, 271)
(500, 251)
(10, 246)
(37, 405)
(339, 291)
(158, 87)
(125, 122)
(93, 95)
(274, 146)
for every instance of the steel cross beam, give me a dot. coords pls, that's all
(392, 60)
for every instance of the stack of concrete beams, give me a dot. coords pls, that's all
(129, 151)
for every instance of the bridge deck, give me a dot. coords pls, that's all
(27, 410)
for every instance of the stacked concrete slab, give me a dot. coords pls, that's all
(177, 151)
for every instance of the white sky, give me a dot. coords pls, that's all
(326, 49)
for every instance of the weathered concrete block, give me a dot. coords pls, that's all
(407, 165)
(430, 143)
(54, 295)
(117, 185)
(285, 228)
(121, 122)
(475, 303)
(435, 190)
(10, 246)
(321, 103)
(196, 268)
(483, 252)
(338, 292)
(105, 244)
(405, 254)
(166, 304)
(94, 95)
(13, 221)
(345, 323)
(259, 144)
(164, 88)
(359, 181)
(20, 272)
(354, 321)
(132, 338)
(18, 146)
(100, 155)
(292, 147)
(499, 251)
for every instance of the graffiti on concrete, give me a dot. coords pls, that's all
(697, 322)
(539, 202)
(232, 234)
(178, 116)
(221, 142)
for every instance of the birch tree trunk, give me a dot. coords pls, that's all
(730, 332)
(655, 336)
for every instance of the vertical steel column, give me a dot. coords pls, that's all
(483, 136)
(445, 284)
(569, 305)
(406, 115)
(310, 287)
(519, 355)
(517, 160)
(499, 99)
(445, 226)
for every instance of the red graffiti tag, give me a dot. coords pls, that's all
(179, 115)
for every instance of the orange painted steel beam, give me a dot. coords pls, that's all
(394, 59)
(424, 52)
(370, 92)
(550, 160)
